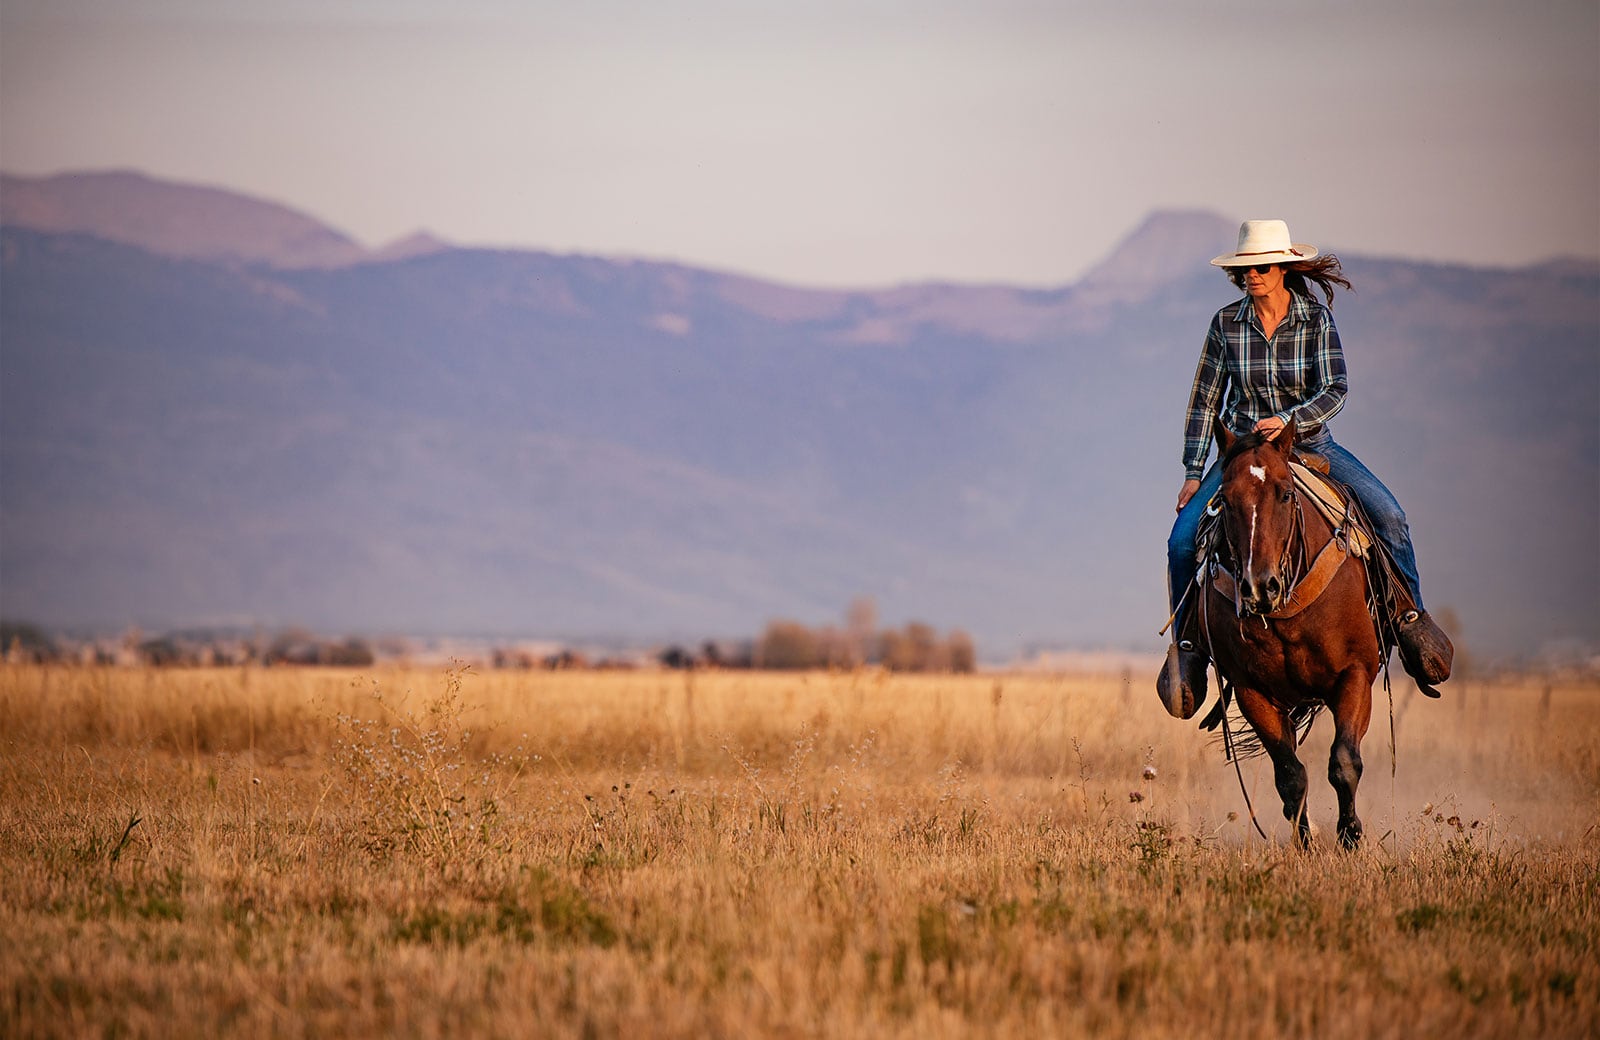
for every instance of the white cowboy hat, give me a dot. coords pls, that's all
(1265, 242)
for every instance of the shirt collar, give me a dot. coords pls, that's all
(1299, 309)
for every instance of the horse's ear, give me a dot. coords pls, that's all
(1225, 437)
(1285, 438)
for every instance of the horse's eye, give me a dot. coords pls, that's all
(1286, 494)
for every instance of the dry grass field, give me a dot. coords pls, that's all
(421, 853)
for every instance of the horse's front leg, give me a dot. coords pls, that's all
(1352, 711)
(1272, 725)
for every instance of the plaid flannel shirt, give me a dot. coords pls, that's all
(1299, 373)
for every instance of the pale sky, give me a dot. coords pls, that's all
(839, 143)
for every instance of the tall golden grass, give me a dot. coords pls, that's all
(426, 853)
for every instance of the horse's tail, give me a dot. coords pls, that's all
(1241, 742)
(1219, 709)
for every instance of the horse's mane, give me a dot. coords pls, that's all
(1249, 442)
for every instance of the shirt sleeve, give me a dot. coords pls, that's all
(1331, 385)
(1205, 397)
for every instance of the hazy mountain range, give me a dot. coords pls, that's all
(216, 410)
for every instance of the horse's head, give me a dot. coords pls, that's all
(1257, 501)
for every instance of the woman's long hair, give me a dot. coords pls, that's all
(1324, 270)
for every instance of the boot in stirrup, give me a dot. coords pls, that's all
(1425, 650)
(1182, 682)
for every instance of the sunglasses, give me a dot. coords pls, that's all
(1257, 268)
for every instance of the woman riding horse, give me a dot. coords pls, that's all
(1268, 358)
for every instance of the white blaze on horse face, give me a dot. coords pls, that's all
(1259, 472)
(1250, 560)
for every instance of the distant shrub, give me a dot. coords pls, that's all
(566, 659)
(915, 648)
(352, 653)
(22, 642)
(521, 660)
(297, 646)
(787, 645)
(161, 653)
(676, 657)
(963, 652)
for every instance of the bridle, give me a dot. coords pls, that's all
(1295, 539)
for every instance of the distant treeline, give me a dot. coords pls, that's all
(783, 645)
(23, 642)
(915, 648)
(860, 640)
(792, 646)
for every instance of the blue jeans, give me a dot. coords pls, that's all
(1388, 519)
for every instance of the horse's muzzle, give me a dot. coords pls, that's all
(1261, 594)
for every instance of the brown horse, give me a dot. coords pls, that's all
(1285, 613)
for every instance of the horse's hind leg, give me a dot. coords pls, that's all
(1344, 773)
(1352, 711)
(1277, 737)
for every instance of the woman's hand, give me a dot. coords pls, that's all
(1186, 493)
(1271, 426)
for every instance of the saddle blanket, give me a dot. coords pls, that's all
(1330, 501)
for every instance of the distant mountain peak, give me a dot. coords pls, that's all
(181, 220)
(1169, 245)
(419, 243)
